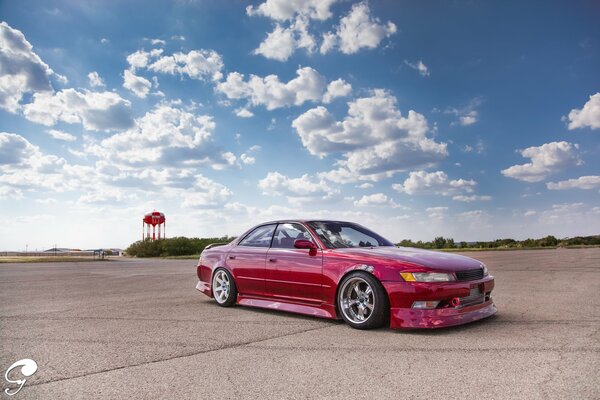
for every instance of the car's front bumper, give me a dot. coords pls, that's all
(402, 295)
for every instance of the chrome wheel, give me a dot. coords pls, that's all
(221, 286)
(357, 300)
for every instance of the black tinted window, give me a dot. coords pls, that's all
(344, 234)
(259, 237)
(286, 234)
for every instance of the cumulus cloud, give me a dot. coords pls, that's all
(98, 111)
(95, 80)
(141, 58)
(375, 200)
(21, 69)
(165, 135)
(282, 10)
(197, 64)
(60, 135)
(24, 166)
(136, 84)
(206, 193)
(419, 67)
(545, 160)
(357, 30)
(337, 88)
(244, 113)
(282, 42)
(374, 138)
(583, 182)
(270, 92)
(305, 188)
(422, 182)
(588, 116)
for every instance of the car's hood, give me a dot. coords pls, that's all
(427, 258)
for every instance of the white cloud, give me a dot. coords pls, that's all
(157, 42)
(165, 135)
(136, 84)
(474, 197)
(7, 192)
(356, 31)
(197, 64)
(300, 189)
(422, 182)
(141, 58)
(60, 135)
(337, 88)
(99, 111)
(270, 92)
(246, 159)
(282, 10)
(23, 166)
(283, 42)
(419, 67)
(375, 200)
(545, 160)
(436, 212)
(374, 138)
(244, 113)
(468, 115)
(205, 193)
(95, 80)
(21, 70)
(366, 185)
(583, 182)
(588, 116)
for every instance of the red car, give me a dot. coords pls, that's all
(334, 269)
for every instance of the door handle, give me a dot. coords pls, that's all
(232, 257)
(272, 260)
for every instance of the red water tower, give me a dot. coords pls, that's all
(152, 222)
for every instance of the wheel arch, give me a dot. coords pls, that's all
(359, 268)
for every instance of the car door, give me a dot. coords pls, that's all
(247, 260)
(294, 274)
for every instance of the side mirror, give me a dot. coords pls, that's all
(304, 244)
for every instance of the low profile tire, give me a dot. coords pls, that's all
(362, 301)
(223, 288)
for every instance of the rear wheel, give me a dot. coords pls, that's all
(362, 301)
(223, 287)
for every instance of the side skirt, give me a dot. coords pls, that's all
(322, 311)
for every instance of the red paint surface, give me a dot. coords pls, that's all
(305, 280)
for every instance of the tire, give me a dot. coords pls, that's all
(362, 301)
(223, 288)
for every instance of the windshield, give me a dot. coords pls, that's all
(336, 235)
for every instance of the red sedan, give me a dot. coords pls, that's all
(334, 269)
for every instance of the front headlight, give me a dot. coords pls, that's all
(485, 270)
(426, 277)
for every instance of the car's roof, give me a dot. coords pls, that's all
(281, 221)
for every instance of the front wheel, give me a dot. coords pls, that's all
(223, 287)
(362, 301)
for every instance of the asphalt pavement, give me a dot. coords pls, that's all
(136, 328)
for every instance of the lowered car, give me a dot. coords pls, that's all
(336, 269)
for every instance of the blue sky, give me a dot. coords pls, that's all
(468, 119)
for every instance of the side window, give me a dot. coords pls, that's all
(260, 237)
(286, 234)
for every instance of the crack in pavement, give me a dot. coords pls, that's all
(226, 347)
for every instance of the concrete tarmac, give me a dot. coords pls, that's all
(137, 329)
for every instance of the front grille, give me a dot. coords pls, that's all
(470, 275)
